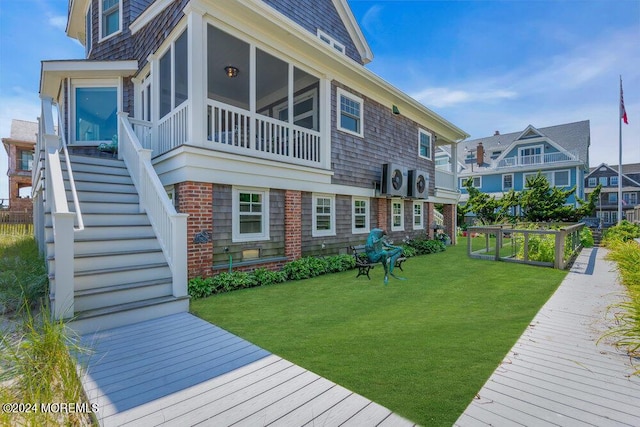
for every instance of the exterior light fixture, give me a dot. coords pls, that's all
(395, 110)
(231, 71)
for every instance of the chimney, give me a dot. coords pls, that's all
(496, 133)
(480, 154)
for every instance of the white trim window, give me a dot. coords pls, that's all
(425, 144)
(360, 215)
(603, 180)
(397, 215)
(613, 181)
(250, 210)
(555, 178)
(593, 181)
(507, 182)
(331, 41)
(350, 110)
(110, 18)
(324, 215)
(477, 181)
(418, 217)
(94, 113)
(531, 155)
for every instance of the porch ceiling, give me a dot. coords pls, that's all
(53, 72)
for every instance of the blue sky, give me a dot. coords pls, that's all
(484, 65)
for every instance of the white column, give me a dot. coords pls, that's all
(197, 75)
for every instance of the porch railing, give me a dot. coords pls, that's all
(445, 180)
(239, 131)
(173, 130)
(535, 159)
(170, 226)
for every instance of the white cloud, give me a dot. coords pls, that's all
(59, 22)
(441, 97)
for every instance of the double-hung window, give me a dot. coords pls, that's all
(476, 182)
(360, 216)
(593, 181)
(324, 218)
(613, 198)
(603, 180)
(424, 144)
(613, 181)
(250, 214)
(110, 17)
(507, 182)
(418, 218)
(397, 215)
(350, 113)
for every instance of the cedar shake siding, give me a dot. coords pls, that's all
(318, 14)
(387, 138)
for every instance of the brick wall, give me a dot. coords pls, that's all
(196, 199)
(449, 212)
(383, 214)
(293, 224)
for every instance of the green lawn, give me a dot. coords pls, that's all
(421, 347)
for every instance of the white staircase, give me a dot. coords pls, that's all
(121, 275)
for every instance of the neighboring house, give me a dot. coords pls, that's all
(503, 162)
(261, 121)
(607, 176)
(19, 147)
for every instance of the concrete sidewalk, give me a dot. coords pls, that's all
(558, 372)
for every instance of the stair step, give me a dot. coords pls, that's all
(125, 314)
(104, 207)
(96, 177)
(115, 220)
(120, 169)
(114, 260)
(102, 196)
(102, 187)
(95, 298)
(97, 278)
(116, 245)
(96, 161)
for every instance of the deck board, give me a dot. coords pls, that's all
(180, 370)
(561, 371)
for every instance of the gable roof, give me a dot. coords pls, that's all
(630, 171)
(572, 137)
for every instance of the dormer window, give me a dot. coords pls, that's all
(331, 41)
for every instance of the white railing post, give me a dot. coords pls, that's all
(62, 296)
(144, 155)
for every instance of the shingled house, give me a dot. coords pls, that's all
(249, 133)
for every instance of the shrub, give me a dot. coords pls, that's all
(586, 237)
(337, 263)
(200, 287)
(264, 277)
(424, 246)
(624, 232)
(225, 282)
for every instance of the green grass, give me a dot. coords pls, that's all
(421, 347)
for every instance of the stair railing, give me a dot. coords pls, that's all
(61, 292)
(170, 227)
(72, 182)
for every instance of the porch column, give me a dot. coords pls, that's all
(197, 74)
(383, 213)
(196, 199)
(293, 224)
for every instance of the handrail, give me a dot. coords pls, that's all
(170, 227)
(72, 182)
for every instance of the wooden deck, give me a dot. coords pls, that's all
(180, 370)
(556, 374)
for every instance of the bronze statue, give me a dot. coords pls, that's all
(379, 250)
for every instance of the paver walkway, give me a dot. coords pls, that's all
(182, 371)
(557, 374)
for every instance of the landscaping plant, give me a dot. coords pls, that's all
(626, 253)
